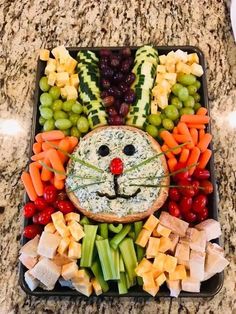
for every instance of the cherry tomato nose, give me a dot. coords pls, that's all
(116, 166)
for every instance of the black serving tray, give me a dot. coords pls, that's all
(210, 287)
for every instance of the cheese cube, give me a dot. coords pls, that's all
(196, 265)
(170, 66)
(182, 252)
(171, 57)
(153, 246)
(69, 270)
(183, 68)
(61, 260)
(159, 262)
(50, 228)
(185, 263)
(143, 237)
(44, 54)
(181, 55)
(155, 234)
(196, 69)
(62, 79)
(179, 273)
(191, 285)
(63, 93)
(62, 229)
(30, 248)
(52, 61)
(174, 241)
(70, 65)
(162, 101)
(74, 80)
(72, 216)
(28, 261)
(71, 92)
(159, 77)
(148, 279)
(57, 216)
(160, 279)
(48, 244)
(154, 107)
(61, 54)
(161, 69)
(170, 77)
(151, 289)
(170, 264)
(31, 281)
(85, 289)
(96, 286)
(165, 87)
(192, 58)
(163, 231)
(215, 262)
(165, 244)
(162, 59)
(76, 230)
(151, 223)
(176, 225)
(174, 287)
(60, 67)
(143, 266)
(211, 227)
(50, 68)
(63, 246)
(74, 250)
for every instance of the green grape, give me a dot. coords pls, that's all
(63, 124)
(152, 130)
(186, 79)
(67, 105)
(171, 112)
(83, 125)
(49, 125)
(162, 116)
(183, 94)
(74, 118)
(196, 106)
(168, 124)
(75, 132)
(43, 84)
(197, 84)
(189, 102)
(77, 108)
(41, 120)
(196, 97)
(57, 105)
(60, 115)
(66, 132)
(186, 110)
(176, 102)
(175, 88)
(154, 119)
(41, 106)
(46, 99)
(46, 113)
(192, 89)
(55, 92)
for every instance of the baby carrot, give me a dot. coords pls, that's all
(196, 126)
(204, 158)
(194, 135)
(181, 138)
(73, 142)
(59, 184)
(204, 142)
(38, 138)
(183, 129)
(39, 156)
(49, 144)
(36, 179)
(36, 164)
(202, 111)
(184, 155)
(46, 174)
(169, 154)
(194, 119)
(193, 159)
(56, 164)
(52, 135)
(64, 145)
(175, 130)
(37, 147)
(172, 162)
(28, 184)
(170, 141)
(201, 134)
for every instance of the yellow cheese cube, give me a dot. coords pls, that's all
(159, 77)
(74, 80)
(62, 79)
(57, 216)
(52, 76)
(49, 69)
(71, 92)
(52, 61)
(162, 59)
(170, 67)
(62, 228)
(170, 264)
(60, 67)
(196, 69)
(50, 228)
(143, 267)
(61, 54)
(180, 55)
(151, 290)
(63, 93)
(69, 270)
(63, 246)
(74, 250)
(153, 246)
(165, 244)
(161, 69)
(154, 107)
(183, 68)
(82, 274)
(162, 101)
(70, 65)
(192, 58)
(72, 216)
(179, 273)
(163, 231)
(44, 54)
(143, 237)
(155, 233)
(151, 223)
(160, 279)
(85, 289)
(170, 77)
(166, 86)
(96, 286)
(159, 262)
(76, 230)
(148, 279)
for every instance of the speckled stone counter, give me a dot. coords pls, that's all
(26, 26)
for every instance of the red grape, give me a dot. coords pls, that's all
(45, 216)
(40, 203)
(125, 66)
(118, 77)
(125, 52)
(108, 101)
(174, 194)
(207, 186)
(173, 209)
(201, 174)
(29, 209)
(65, 207)
(104, 94)
(50, 194)
(105, 52)
(111, 111)
(203, 214)
(115, 61)
(124, 109)
(116, 120)
(105, 83)
(199, 202)
(107, 72)
(185, 204)
(190, 217)
(123, 87)
(130, 78)
(129, 96)
(31, 231)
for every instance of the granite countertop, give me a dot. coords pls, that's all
(27, 26)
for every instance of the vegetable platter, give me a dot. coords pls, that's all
(120, 189)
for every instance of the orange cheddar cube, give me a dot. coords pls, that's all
(143, 237)
(179, 273)
(160, 279)
(153, 247)
(151, 223)
(163, 231)
(165, 244)
(159, 262)
(143, 267)
(170, 264)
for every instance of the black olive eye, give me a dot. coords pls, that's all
(103, 150)
(129, 150)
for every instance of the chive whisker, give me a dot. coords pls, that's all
(51, 169)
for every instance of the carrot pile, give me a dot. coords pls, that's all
(190, 130)
(50, 155)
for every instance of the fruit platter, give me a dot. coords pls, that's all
(120, 190)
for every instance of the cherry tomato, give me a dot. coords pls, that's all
(203, 214)
(50, 194)
(29, 210)
(173, 209)
(116, 166)
(185, 204)
(182, 175)
(207, 187)
(45, 216)
(190, 217)
(40, 203)
(199, 202)
(65, 207)
(36, 218)
(186, 188)
(31, 231)
(201, 174)
(195, 185)
(174, 194)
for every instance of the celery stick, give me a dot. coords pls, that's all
(128, 282)
(115, 229)
(88, 245)
(122, 266)
(116, 240)
(122, 286)
(116, 259)
(97, 271)
(106, 260)
(137, 228)
(140, 252)
(129, 257)
(85, 221)
(131, 234)
(98, 237)
(103, 230)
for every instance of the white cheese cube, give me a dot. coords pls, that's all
(181, 55)
(214, 248)
(28, 261)
(174, 287)
(191, 285)
(57, 216)
(162, 101)
(61, 54)
(63, 246)
(44, 54)
(30, 248)
(174, 241)
(74, 251)
(96, 286)
(63, 93)
(170, 66)
(49, 68)
(159, 77)
(60, 67)
(32, 282)
(62, 229)
(196, 265)
(154, 107)
(76, 230)
(72, 216)
(182, 252)
(85, 289)
(52, 76)
(68, 271)
(48, 244)
(61, 260)
(50, 228)
(211, 227)
(176, 225)
(71, 92)
(196, 69)
(162, 59)
(161, 69)
(215, 263)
